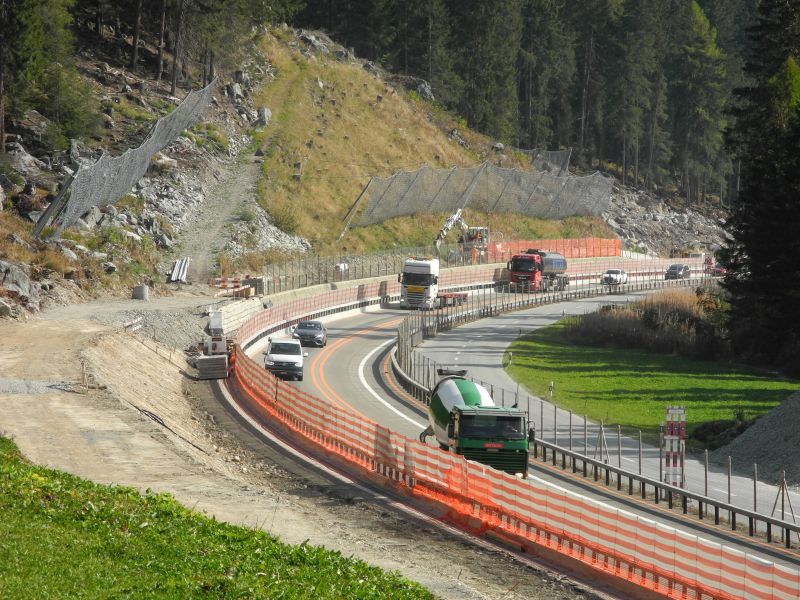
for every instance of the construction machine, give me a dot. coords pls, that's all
(473, 241)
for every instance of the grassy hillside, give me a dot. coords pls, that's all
(335, 125)
(65, 537)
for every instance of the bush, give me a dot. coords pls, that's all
(668, 323)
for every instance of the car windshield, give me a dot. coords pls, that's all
(284, 348)
(492, 427)
(310, 325)
(523, 265)
(613, 271)
(675, 267)
(417, 278)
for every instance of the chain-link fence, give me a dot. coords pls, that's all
(110, 178)
(486, 188)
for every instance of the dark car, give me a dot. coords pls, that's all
(311, 333)
(678, 272)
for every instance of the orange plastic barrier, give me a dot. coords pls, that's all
(614, 541)
(621, 544)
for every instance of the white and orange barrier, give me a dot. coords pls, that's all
(616, 542)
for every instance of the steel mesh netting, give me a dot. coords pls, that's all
(486, 188)
(111, 177)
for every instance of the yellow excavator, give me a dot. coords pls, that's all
(473, 241)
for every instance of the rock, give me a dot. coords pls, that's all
(18, 285)
(5, 309)
(109, 267)
(31, 129)
(235, 91)
(165, 162)
(498, 147)
(314, 42)
(425, 92)
(259, 152)
(108, 122)
(370, 68)
(98, 255)
(6, 183)
(2, 198)
(22, 162)
(18, 241)
(93, 216)
(69, 254)
(131, 235)
(242, 78)
(264, 116)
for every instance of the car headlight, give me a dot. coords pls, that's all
(297, 364)
(295, 335)
(318, 336)
(269, 363)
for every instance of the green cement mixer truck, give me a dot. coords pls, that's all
(465, 420)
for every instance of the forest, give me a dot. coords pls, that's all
(699, 98)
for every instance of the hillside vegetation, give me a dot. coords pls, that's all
(335, 125)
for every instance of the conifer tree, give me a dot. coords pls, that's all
(764, 256)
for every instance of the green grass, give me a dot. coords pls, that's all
(631, 388)
(63, 537)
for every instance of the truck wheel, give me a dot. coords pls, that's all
(300, 378)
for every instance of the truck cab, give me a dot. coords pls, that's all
(419, 283)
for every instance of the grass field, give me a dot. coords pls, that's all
(631, 388)
(64, 537)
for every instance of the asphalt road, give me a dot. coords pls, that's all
(350, 371)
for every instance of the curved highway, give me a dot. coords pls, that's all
(353, 370)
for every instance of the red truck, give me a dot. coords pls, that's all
(536, 271)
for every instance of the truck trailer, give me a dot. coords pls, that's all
(465, 420)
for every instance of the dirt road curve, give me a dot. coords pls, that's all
(150, 427)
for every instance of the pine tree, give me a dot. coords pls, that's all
(764, 255)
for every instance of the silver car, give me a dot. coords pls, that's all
(311, 333)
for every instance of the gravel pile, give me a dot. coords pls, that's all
(772, 442)
(179, 329)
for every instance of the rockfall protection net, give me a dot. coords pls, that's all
(484, 188)
(110, 178)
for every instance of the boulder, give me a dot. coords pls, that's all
(264, 116)
(23, 163)
(5, 308)
(69, 253)
(109, 267)
(2, 198)
(92, 217)
(31, 129)
(5, 183)
(18, 285)
(425, 92)
(498, 147)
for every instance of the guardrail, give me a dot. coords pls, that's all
(418, 380)
(536, 516)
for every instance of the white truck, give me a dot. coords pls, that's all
(419, 285)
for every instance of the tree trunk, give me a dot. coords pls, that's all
(585, 92)
(2, 90)
(161, 41)
(98, 19)
(624, 155)
(178, 47)
(211, 73)
(636, 162)
(136, 30)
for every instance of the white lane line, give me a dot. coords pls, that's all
(723, 491)
(363, 381)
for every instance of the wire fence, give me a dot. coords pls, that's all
(111, 177)
(486, 188)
